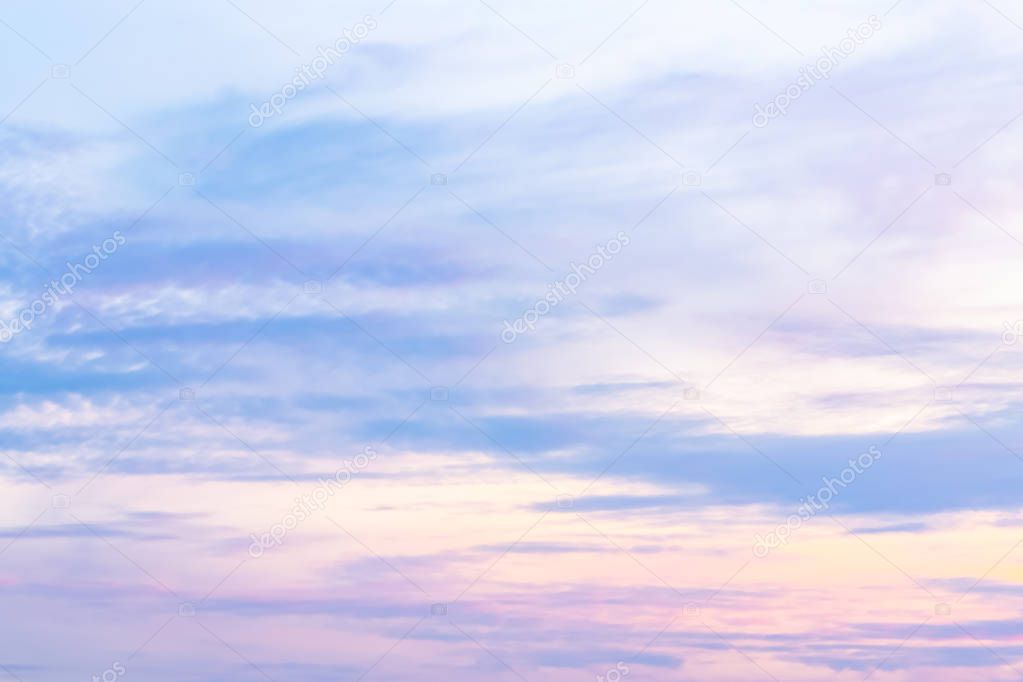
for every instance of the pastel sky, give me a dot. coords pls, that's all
(483, 339)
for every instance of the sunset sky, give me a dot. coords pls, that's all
(491, 340)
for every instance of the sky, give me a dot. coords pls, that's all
(522, 341)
